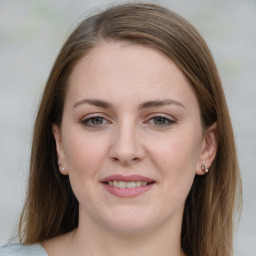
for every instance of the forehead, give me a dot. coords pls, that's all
(121, 70)
(127, 57)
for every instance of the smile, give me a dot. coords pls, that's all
(127, 186)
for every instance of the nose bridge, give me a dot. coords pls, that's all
(126, 145)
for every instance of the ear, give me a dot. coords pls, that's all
(208, 149)
(59, 148)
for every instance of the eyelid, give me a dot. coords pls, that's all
(88, 117)
(98, 114)
(167, 117)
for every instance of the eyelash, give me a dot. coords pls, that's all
(88, 121)
(167, 121)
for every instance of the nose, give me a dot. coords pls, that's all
(126, 146)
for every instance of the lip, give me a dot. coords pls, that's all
(127, 192)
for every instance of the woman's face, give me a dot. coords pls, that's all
(131, 138)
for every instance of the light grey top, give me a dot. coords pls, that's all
(22, 250)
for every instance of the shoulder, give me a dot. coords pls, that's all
(22, 250)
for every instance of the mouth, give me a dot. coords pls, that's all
(127, 186)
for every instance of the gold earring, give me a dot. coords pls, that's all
(204, 169)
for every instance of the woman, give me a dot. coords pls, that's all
(133, 150)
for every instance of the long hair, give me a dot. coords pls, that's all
(51, 208)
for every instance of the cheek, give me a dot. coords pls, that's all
(176, 159)
(177, 153)
(84, 153)
(84, 156)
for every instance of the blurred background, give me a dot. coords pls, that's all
(31, 34)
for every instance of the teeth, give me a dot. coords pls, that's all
(144, 183)
(115, 184)
(129, 184)
(138, 183)
(122, 184)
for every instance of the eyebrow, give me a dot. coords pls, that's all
(147, 104)
(159, 103)
(94, 102)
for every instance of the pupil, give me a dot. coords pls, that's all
(97, 120)
(159, 120)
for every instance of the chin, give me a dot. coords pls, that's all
(130, 228)
(131, 221)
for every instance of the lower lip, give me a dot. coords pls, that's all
(127, 192)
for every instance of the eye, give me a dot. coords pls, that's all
(160, 121)
(94, 121)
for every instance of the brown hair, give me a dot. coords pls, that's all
(51, 208)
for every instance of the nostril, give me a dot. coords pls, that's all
(125, 152)
(126, 161)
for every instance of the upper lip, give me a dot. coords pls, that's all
(127, 178)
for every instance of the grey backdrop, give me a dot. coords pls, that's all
(32, 32)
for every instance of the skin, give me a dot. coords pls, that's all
(128, 139)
